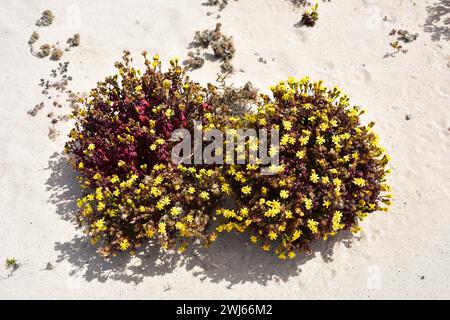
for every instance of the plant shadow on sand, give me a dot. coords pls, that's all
(231, 258)
(438, 20)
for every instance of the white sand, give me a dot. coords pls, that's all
(345, 48)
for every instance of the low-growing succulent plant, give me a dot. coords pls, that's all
(331, 173)
(310, 17)
(121, 146)
(11, 263)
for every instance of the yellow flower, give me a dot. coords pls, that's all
(80, 165)
(169, 113)
(253, 239)
(337, 182)
(272, 235)
(312, 225)
(115, 179)
(141, 208)
(180, 226)
(158, 180)
(244, 212)
(288, 214)
(355, 229)
(97, 176)
(308, 203)
(296, 235)
(284, 140)
(155, 191)
(191, 190)
(204, 195)
(359, 182)
(300, 154)
(284, 194)
(291, 255)
(281, 228)
(337, 221)
(153, 147)
(189, 218)
(246, 190)
(150, 233)
(287, 125)
(124, 245)
(314, 177)
(225, 188)
(175, 211)
(326, 203)
(159, 141)
(100, 224)
(91, 147)
(320, 140)
(100, 206)
(266, 247)
(304, 140)
(162, 228)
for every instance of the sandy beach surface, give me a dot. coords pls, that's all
(402, 254)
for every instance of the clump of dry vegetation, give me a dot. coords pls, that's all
(74, 41)
(46, 19)
(240, 100)
(194, 60)
(222, 46)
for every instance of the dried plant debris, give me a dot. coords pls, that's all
(33, 38)
(298, 3)
(194, 60)
(46, 19)
(260, 58)
(57, 54)
(222, 46)
(33, 112)
(53, 133)
(221, 4)
(74, 41)
(406, 37)
(240, 100)
(44, 51)
(402, 36)
(56, 90)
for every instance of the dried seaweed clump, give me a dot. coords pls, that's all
(331, 173)
(222, 46)
(46, 19)
(121, 146)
